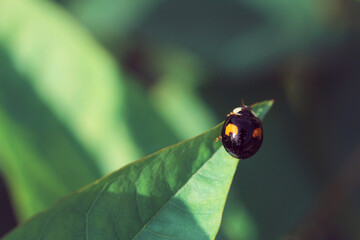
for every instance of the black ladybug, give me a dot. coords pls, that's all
(242, 133)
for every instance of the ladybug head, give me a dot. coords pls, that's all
(244, 111)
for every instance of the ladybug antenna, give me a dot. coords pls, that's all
(242, 102)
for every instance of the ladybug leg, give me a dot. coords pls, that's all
(218, 139)
(232, 113)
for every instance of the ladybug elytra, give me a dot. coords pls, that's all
(242, 133)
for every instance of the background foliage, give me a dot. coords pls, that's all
(85, 81)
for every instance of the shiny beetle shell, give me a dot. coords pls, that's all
(242, 133)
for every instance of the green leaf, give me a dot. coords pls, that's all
(238, 223)
(178, 192)
(72, 74)
(40, 159)
(176, 92)
(100, 15)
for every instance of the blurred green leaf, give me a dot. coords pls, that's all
(110, 19)
(175, 95)
(72, 75)
(153, 133)
(39, 157)
(237, 223)
(180, 187)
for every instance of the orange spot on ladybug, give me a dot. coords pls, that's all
(231, 128)
(257, 133)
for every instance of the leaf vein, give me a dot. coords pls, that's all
(92, 206)
(138, 208)
(185, 210)
(205, 176)
(166, 182)
(162, 235)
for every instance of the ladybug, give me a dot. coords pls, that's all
(242, 133)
